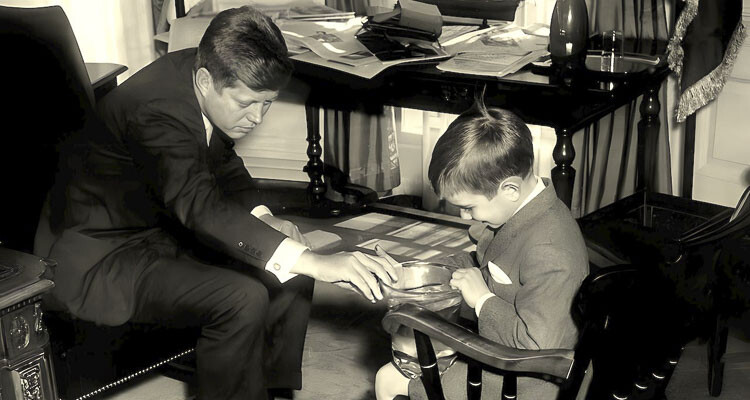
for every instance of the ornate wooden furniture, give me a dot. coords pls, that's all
(26, 371)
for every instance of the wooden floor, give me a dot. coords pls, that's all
(346, 345)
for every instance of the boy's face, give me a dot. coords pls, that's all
(493, 212)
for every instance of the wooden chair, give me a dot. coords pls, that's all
(634, 319)
(731, 291)
(630, 332)
(52, 99)
(715, 278)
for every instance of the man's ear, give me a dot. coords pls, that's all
(510, 188)
(203, 81)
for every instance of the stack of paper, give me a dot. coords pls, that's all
(495, 51)
(334, 45)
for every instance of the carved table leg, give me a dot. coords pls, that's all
(564, 175)
(648, 138)
(314, 168)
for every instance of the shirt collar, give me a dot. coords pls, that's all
(537, 189)
(209, 128)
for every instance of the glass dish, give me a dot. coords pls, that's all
(425, 284)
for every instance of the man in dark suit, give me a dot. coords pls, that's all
(150, 207)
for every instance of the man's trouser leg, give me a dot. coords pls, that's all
(286, 325)
(231, 309)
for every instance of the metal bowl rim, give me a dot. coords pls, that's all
(414, 263)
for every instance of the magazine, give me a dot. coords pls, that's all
(495, 51)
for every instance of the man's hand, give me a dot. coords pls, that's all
(346, 270)
(285, 227)
(471, 284)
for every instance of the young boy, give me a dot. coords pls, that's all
(531, 256)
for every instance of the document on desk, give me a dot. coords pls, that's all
(496, 51)
(334, 45)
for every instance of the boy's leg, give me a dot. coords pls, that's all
(231, 310)
(389, 383)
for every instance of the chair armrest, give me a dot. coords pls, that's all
(553, 362)
(738, 223)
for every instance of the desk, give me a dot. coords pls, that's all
(538, 99)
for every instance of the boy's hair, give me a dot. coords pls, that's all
(243, 44)
(479, 150)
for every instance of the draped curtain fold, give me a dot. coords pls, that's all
(363, 147)
(606, 151)
(360, 145)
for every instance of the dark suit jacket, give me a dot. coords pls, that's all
(147, 179)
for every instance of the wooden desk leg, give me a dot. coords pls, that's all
(314, 168)
(564, 175)
(648, 140)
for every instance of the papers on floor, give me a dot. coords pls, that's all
(334, 45)
(409, 238)
(495, 51)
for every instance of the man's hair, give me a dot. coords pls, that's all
(479, 150)
(243, 44)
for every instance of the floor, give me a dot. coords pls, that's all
(346, 345)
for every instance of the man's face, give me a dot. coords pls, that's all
(493, 212)
(236, 109)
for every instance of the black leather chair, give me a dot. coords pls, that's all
(50, 99)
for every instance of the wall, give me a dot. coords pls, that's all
(722, 144)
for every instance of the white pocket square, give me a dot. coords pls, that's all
(498, 274)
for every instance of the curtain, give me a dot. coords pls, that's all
(361, 149)
(108, 31)
(606, 151)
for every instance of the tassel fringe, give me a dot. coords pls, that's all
(708, 88)
(674, 48)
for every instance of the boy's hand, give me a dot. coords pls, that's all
(471, 284)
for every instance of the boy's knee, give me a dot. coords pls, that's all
(389, 383)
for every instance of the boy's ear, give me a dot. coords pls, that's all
(203, 81)
(510, 188)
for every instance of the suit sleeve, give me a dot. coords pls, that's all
(540, 317)
(168, 156)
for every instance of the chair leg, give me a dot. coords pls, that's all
(473, 381)
(510, 387)
(717, 346)
(429, 366)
